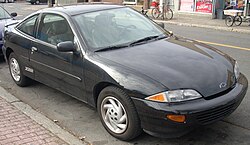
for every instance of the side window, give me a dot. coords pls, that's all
(54, 29)
(28, 25)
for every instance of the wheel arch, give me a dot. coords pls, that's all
(8, 52)
(98, 88)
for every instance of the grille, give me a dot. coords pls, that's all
(215, 114)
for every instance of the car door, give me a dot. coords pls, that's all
(60, 70)
(21, 42)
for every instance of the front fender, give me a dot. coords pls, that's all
(135, 83)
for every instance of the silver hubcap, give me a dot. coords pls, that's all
(114, 115)
(15, 69)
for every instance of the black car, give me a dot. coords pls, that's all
(138, 75)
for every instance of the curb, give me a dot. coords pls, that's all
(229, 29)
(41, 119)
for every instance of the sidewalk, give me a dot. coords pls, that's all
(21, 125)
(200, 20)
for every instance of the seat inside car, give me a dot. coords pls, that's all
(59, 32)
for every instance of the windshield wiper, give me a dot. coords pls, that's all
(145, 39)
(156, 37)
(112, 47)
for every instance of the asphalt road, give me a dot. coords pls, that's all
(83, 121)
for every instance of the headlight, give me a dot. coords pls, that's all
(175, 96)
(236, 70)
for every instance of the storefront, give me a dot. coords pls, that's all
(213, 7)
(201, 6)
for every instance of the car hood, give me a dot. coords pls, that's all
(178, 63)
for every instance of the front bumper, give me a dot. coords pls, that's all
(197, 112)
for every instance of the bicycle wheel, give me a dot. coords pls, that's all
(237, 20)
(229, 21)
(168, 14)
(248, 20)
(155, 13)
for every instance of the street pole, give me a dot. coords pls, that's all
(246, 8)
(50, 3)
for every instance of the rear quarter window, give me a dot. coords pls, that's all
(28, 25)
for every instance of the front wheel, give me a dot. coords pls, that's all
(229, 21)
(118, 114)
(16, 71)
(155, 13)
(169, 14)
(237, 20)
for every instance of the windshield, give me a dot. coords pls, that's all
(116, 27)
(4, 14)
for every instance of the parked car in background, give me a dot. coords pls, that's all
(5, 18)
(5, 1)
(137, 75)
(37, 1)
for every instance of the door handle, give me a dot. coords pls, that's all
(33, 49)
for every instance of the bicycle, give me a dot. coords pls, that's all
(166, 12)
(235, 17)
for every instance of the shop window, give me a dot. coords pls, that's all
(186, 5)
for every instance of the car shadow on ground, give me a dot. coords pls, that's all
(2, 60)
(202, 135)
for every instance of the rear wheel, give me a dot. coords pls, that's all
(155, 13)
(229, 21)
(237, 20)
(169, 14)
(16, 71)
(118, 114)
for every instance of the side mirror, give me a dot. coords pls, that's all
(13, 14)
(67, 46)
(161, 24)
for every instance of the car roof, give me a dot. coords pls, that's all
(81, 8)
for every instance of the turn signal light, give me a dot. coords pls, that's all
(177, 118)
(158, 97)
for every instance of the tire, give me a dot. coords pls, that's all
(229, 21)
(237, 20)
(169, 14)
(114, 104)
(155, 13)
(16, 71)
